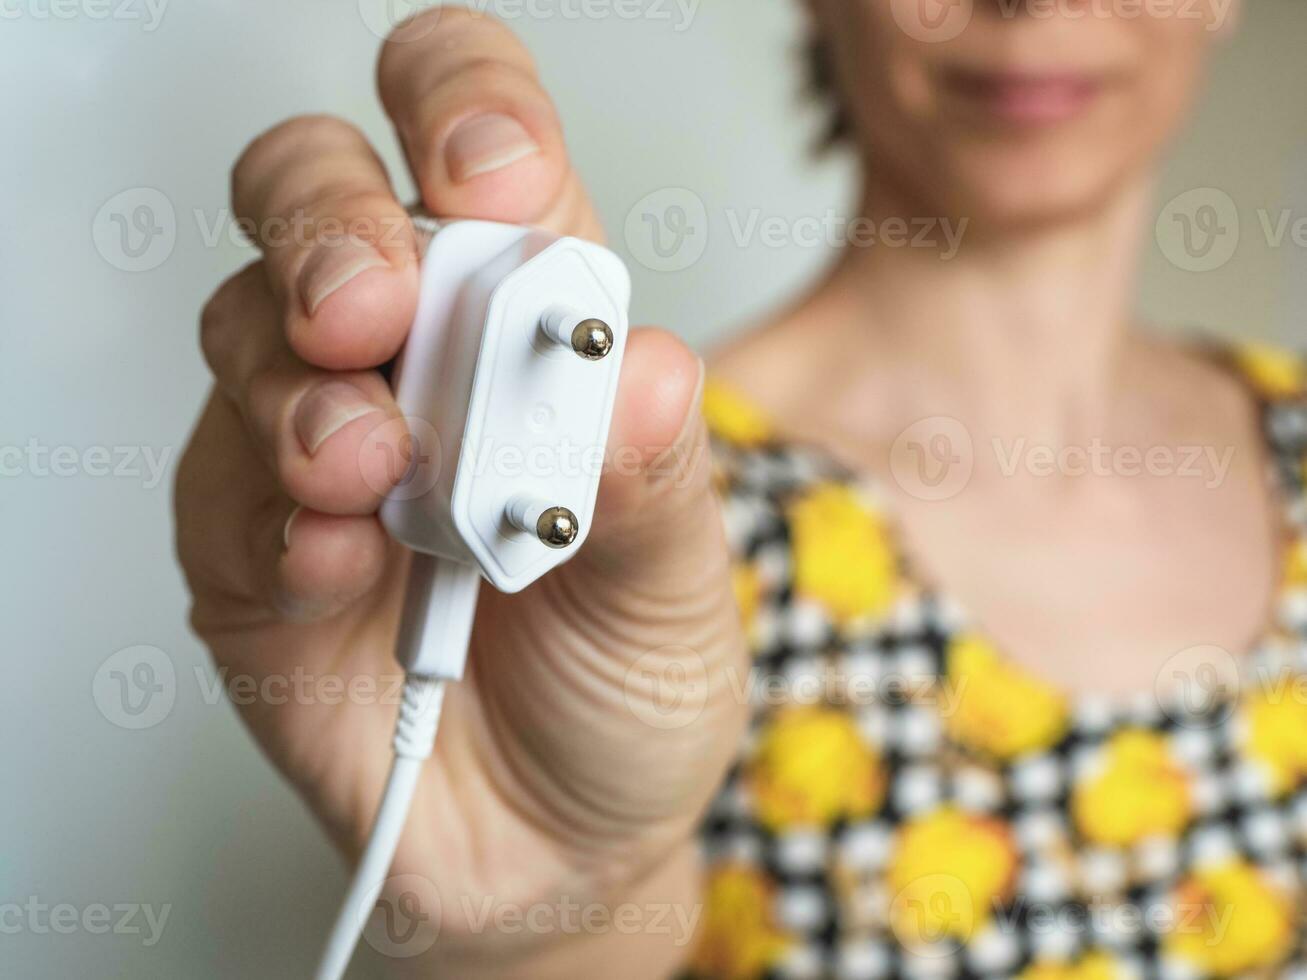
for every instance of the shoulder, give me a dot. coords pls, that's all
(1276, 374)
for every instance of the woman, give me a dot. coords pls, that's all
(998, 733)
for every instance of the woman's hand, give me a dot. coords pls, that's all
(559, 776)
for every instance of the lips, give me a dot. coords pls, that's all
(1025, 98)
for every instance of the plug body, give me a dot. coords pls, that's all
(508, 382)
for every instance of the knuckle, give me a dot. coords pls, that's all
(483, 83)
(453, 38)
(496, 75)
(219, 319)
(269, 151)
(271, 392)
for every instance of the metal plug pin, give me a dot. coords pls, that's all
(555, 527)
(587, 336)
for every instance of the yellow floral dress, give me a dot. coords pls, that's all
(910, 803)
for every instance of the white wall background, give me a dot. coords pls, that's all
(185, 813)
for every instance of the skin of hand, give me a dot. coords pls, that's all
(556, 775)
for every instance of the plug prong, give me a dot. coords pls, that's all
(556, 527)
(587, 336)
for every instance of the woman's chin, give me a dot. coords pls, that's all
(1022, 195)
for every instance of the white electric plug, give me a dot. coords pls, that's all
(507, 383)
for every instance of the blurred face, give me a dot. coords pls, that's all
(1017, 111)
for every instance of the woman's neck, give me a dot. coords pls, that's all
(1019, 331)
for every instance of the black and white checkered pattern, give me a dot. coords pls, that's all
(829, 885)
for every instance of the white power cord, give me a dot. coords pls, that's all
(415, 737)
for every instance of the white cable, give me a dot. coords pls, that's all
(415, 736)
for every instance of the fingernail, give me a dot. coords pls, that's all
(285, 531)
(332, 266)
(326, 409)
(486, 143)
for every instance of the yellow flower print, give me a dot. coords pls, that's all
(1230, 919)
(1275, 719)
(998, 707)
(748, 592)
(1273, 372)
(1094, 966)
(949, 871)
(813, 767)
(738, 935)
(1295, 570)
(1142, 791)
(732, 417)
(843, 557)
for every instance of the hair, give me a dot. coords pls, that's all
(823, 87)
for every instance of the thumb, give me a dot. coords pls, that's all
(656, 514)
